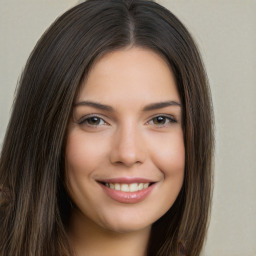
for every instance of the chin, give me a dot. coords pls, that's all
(127, 227)
(126, 222)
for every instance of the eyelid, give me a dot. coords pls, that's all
(83, 119)
(171, 119)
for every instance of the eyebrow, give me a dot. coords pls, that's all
(159, 105)
(153, 106)
(95, 105)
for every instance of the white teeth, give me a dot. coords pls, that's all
(117, 186)
(141, 186)
(125, 188)
(133, 187)
(145, 185)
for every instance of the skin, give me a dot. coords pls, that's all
(130, 140)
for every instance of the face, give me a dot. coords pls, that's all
(125, 151)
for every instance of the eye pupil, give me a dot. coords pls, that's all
(159, 120)
(93, 120)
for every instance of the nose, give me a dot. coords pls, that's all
(128, 148)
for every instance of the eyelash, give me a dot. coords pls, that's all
(168, 119)
(85, 120)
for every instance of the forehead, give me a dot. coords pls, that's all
(137, 73)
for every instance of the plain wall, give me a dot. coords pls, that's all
(225, 32)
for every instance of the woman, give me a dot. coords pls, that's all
(109, 147)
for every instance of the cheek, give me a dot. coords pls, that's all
(170, 155)
(83, 153)
(170, 160)
(82, 157)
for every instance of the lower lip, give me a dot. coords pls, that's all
(128, 197)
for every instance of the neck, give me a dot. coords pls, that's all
(88, 238)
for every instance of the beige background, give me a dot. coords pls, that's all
(226, 33)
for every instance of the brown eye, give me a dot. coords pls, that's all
(162, 121)
(92, 121)
(159, 120)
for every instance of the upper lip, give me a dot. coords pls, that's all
(126, 180)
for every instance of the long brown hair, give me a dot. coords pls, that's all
(35, 206)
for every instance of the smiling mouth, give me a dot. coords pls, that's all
(132, 187)
(127, 190)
